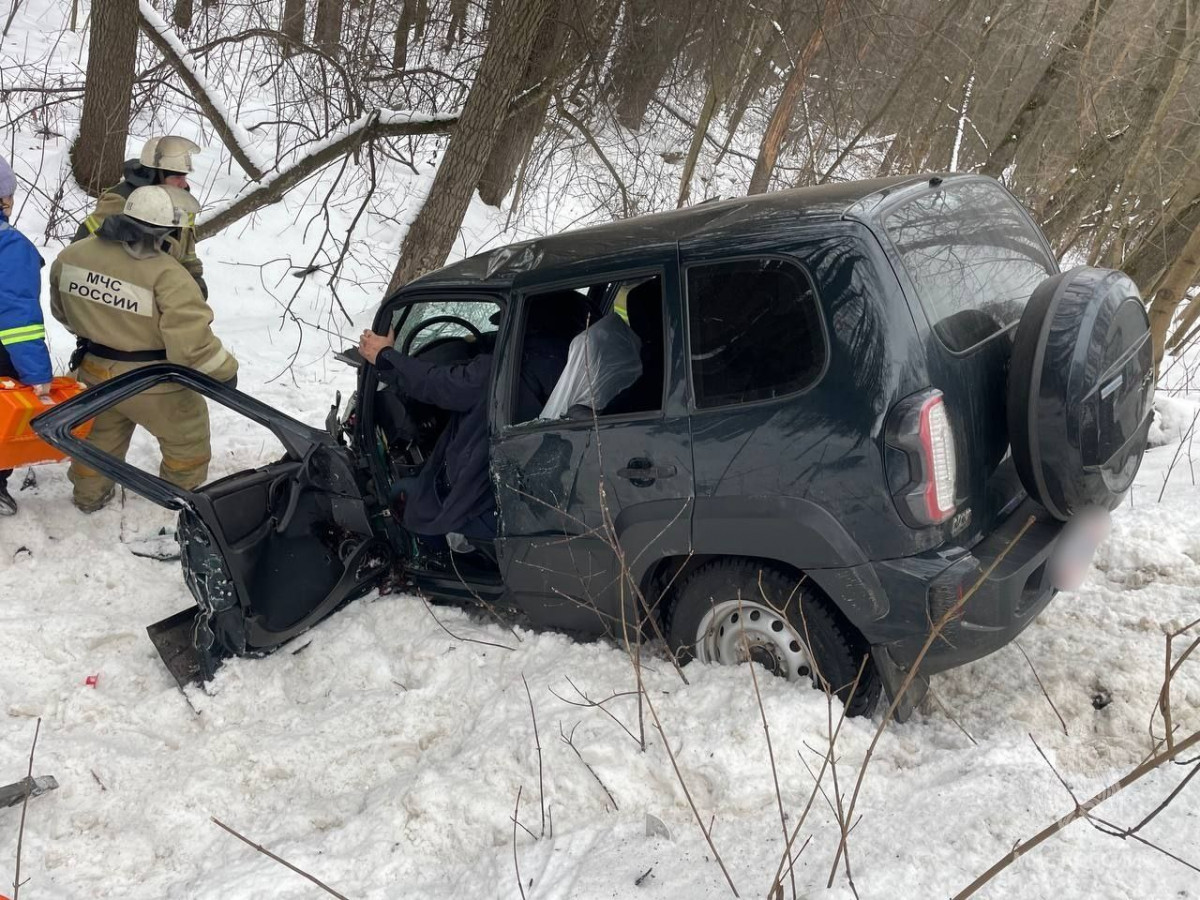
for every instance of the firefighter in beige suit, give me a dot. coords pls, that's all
(131, 304)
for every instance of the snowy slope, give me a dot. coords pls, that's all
(386, 756)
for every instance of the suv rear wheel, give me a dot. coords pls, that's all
(739, 610)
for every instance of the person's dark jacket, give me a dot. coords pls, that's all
(454, 487)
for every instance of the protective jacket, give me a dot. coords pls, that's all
(23, 350)
(112, 203)
(117, 292)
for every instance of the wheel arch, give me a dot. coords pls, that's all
(846, 591)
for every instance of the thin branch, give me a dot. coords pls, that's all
(1045, 693)
(1081, 810)
(569, 740)
(24, 806)
(516, 862)
(283, 862)
(456, 637)
(537, 741)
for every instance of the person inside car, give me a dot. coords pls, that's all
(452, 495)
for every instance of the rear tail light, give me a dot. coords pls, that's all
(925, 484)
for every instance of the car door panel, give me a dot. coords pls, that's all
(266, 552)
(587, 506)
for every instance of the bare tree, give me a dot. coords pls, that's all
(431, 235)
(1004, 149)
(181, 18)
(519, 129)
(327, 32)
(99, 151)
(292, 25)
(785, 108)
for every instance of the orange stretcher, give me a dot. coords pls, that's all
(19, 446)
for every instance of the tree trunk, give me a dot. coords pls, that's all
(689, 166)
(98, 154)
(403, 26)
(1182, 44)
(456, 28)
(645, 51)
(1162, 242)
(1179, 278)
(521, 129)
(1004, 150)
(781, 119)
(181, 18)
(292, 25)
(327, 33)
(431, 235)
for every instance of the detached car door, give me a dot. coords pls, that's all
(266, 552)
(592, 496)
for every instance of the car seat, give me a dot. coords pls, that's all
(644, 306)
(554, 319)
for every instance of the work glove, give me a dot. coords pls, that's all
(43, 394)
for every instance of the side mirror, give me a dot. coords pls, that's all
(351, 357)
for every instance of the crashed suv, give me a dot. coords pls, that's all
(798, 429)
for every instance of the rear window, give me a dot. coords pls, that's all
(973, 256)
(754, 329)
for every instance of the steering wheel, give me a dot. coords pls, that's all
(438, 320)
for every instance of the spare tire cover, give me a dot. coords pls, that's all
(1081, 390)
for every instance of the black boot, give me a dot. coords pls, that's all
(8, 506)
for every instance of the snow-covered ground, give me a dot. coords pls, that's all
(385, 755)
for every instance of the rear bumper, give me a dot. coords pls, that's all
(922, 588)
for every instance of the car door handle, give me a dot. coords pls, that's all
(644, 471)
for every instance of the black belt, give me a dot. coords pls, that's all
(104, 352)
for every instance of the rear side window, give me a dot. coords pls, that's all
(754, 331)
(973, 256)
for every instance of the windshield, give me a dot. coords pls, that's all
(417, 318)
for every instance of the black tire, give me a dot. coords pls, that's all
(732, 591)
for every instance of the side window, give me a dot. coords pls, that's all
(973, 257)
(754, 329)
(592, 350)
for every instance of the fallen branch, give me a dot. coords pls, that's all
(283, 862)
(375, 124)
(1080, 811)
(232, 135)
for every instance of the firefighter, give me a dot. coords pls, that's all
(164, 160)
(131, 303)
(23, 353)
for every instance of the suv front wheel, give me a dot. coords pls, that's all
(741, 610)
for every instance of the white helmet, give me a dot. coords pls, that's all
(161, 206)
(171, 153)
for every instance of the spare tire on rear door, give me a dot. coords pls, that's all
(1081, 390)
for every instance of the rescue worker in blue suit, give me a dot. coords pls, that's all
(23, 352)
